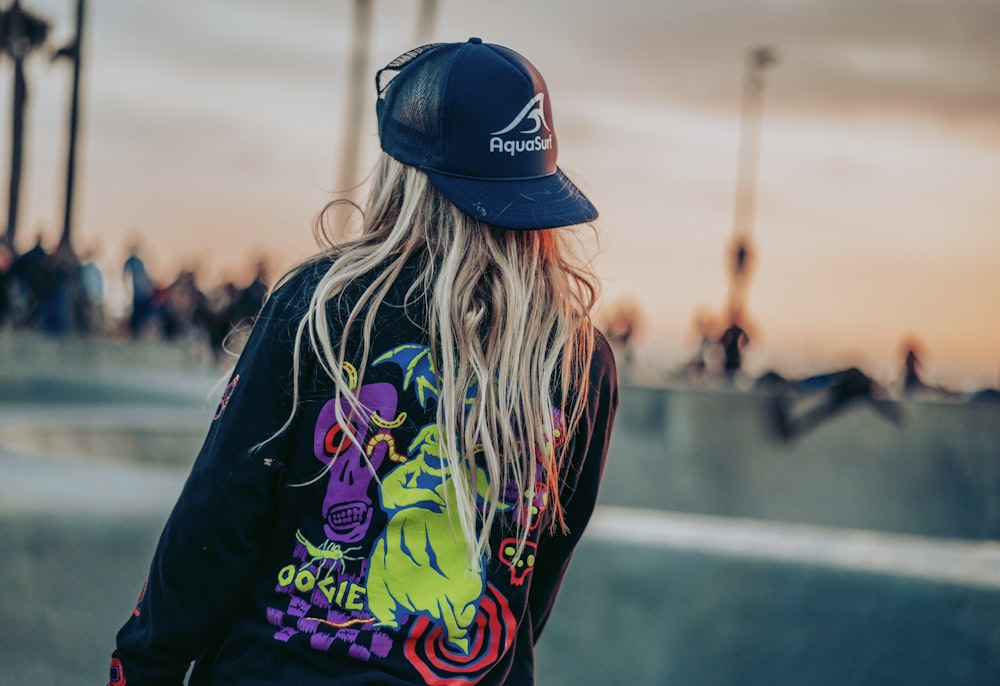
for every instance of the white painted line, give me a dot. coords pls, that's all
(975, 563)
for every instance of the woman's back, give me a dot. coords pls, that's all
(405, 456)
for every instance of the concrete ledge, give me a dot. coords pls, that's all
(700, 602)
(35, 369)
(961, 562)
(937, 473)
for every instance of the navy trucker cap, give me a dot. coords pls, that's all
(476, 118)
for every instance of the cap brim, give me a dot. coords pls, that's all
(545, 202)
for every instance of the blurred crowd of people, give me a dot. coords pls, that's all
(60, 293)
(719, 361)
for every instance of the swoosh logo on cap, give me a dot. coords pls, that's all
(532, 111)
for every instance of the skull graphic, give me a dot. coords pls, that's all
(347, 508)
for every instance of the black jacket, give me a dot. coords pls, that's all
(266, 574)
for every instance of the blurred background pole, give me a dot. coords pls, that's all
(741, 247)
(72, 51)
(425, 21)
(358, 80)
(20, 34)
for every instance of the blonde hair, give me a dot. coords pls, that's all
(505, 309)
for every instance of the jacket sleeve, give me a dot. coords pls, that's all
(200, 572)
(588, 455)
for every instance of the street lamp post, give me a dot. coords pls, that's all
(741, 245)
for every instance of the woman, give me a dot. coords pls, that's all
(411, 443)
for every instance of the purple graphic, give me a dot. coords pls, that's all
(325, 580)
(347, 508)
(326, 605)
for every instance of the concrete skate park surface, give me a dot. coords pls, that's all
(860, 553)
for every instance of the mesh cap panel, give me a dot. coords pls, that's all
(387, 73)
(414, 102)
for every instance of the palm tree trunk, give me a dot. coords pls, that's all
(425, 21)
(16, 147)
(73, 121)
(356, 94)
(346, 182)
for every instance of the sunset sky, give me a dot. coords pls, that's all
(214, 131)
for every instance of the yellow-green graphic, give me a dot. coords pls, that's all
(420, 564)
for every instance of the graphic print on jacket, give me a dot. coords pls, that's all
(392, 567)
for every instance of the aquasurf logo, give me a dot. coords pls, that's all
(531, 116)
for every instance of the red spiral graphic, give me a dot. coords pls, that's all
(490, 636)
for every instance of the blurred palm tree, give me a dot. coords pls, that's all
(425, 21)
(21, 33)
(358, 81)
(71, 52)
(347, 181)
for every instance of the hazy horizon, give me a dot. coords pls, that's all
(214, 132)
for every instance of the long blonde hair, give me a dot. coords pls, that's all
(505, 309)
